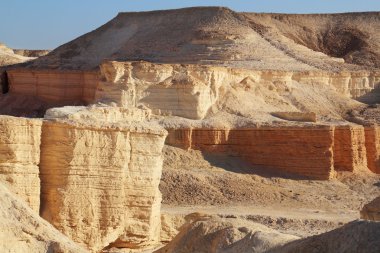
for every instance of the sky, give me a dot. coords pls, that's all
(46, 24)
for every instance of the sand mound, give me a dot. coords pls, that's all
(22, 230)
(356, 236)
(208, 234)
(217, 35)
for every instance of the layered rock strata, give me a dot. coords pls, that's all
(190, 90)
(20, 157)
(350, 148)
(172, 89)
(53, 86)
(99, 182)
(372, 137)
(306, 151)
(314, 151)
(23, 230)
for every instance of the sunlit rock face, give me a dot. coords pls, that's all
(100, 180)
(20, 157)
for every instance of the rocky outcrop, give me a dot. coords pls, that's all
(99, 113)
(314, 151)
(191, 91)
(372, 143)
(23, 230)
(20, 157)
(205, 233)
(99, 181)
(55, 87)
(170, 89)
(306, 151)
(371, 211)
(8, 57)
(350, 149)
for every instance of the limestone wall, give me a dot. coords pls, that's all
(191, 90)
(100, 183)
(372, 138)
(54, 86)
(304, 151)
(174, 89)
(20, 156)
(350, 148)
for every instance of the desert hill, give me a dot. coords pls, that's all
(9, 57)
(217, 35)
(187, 128)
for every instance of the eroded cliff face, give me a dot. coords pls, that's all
(100, 182)
(23, 230)
(372, 136)
(350, 152)
(54, 87)
(193, 91)
(314, 151)
(298, 150)
(20, 157)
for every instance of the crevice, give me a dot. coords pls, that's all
(4, 82)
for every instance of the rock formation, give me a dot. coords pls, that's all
(267, 147)
(20, 156)
(22, 230)
(8, 56)
(372, 134)
(161, 86)
(275, 92)
(350, 152)
(371, 211)
(212, 235)
(99, 181)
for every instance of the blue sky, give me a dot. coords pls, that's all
(40, 24)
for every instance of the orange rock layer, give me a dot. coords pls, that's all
(372, 137)
(315, 152)
(52, 86)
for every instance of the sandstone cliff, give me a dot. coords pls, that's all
(8, 57)
(198, 92)
(99, 181)
(20, 157)
(372, 135)
(22, 230)
(349, 148)
(300, 150)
